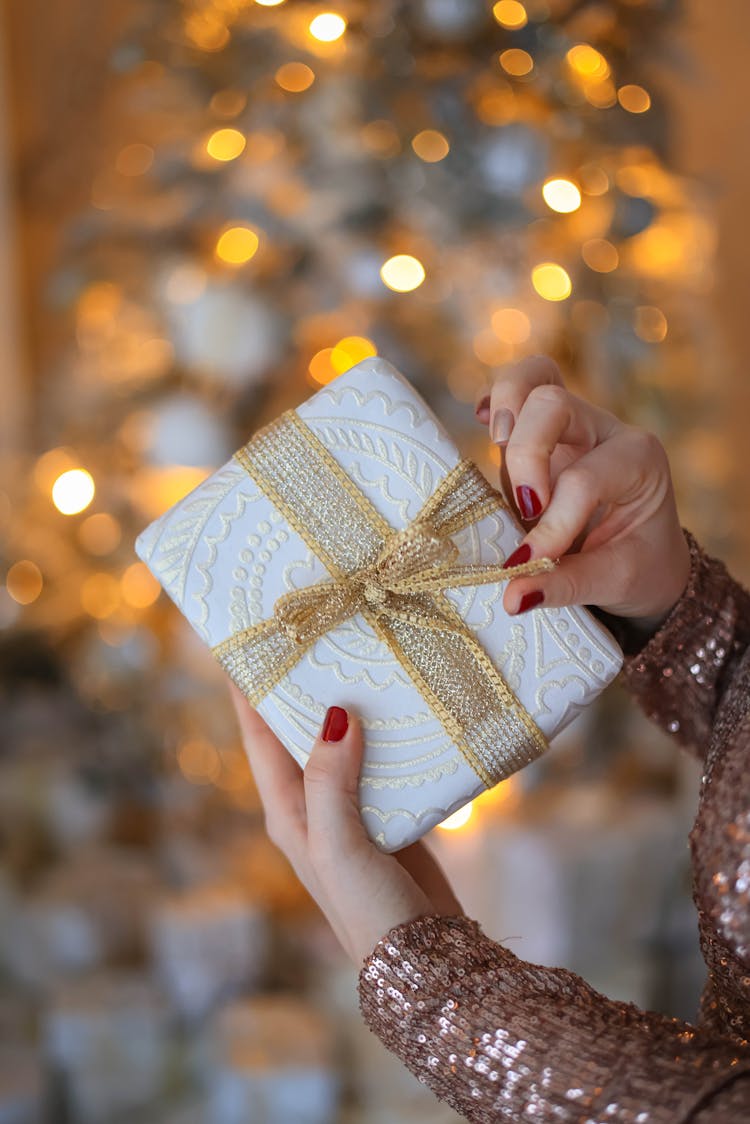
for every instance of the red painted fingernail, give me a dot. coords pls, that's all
(335, 724)
(521, 554)
(530, 600)
(528, 501)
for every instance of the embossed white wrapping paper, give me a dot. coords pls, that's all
(224, 554)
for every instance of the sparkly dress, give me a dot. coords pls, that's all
(501, 1039)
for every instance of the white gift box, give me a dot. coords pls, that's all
(227, 552)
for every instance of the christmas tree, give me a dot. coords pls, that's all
(285, 190)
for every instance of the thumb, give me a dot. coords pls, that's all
(331, 778)
(578, 579)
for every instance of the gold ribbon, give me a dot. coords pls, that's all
(395, 579)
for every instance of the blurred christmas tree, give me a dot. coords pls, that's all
(287, 190)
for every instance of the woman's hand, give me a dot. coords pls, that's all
(313, 817)
(601, 493)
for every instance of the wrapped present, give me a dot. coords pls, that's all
(348, 555)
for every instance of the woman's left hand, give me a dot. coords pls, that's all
(312, 815)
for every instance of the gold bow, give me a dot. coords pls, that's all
(414, 560)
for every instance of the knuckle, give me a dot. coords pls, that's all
(317, 773)
(551, 395)
(645, 446)
(578, 484)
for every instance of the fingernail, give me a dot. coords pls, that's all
(335, 724)
(529, 503)
(530, 600)
(501, 425)
(521, 554)
(482, 404)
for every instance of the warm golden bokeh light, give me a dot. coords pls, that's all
(100, 534)
(516, 62)
(602, 95)
(634, 98)
(511, 325)
(350, 351)
(327, 27)
(73, 491)
(228, 103)
(587, 62)
(402, 273)
(269, 3)
(600, 255)
(381, 137)
(593, 179)
(207, 31)
(199, 761)
(430, 146)
(295, 77)
(510, 14)
(551, 281)
(186, 283)
(561, 195)
(321, 368)
(650, 324)
(100, 595)
(134, 159)
(226, 144)
(139, 586)
(237, 245)
(24, 581)
(489, 349)
(458, 819)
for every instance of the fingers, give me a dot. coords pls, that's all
(277, 776)
(598, 495)
(509, 392)
(550, 416)
(331, 782)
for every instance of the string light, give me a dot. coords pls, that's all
(402, 273)
(551, 281)
(511, 325)
(600, 255)
(561, 195)
(24, 581)
(430, 146)
(226, 144)
(237, 245)
(294, 77)
(587, 62)
(510, 14)
(458, 819)
(327, 27)
(516, 62)
(634, 99)
(73, 491)
(650, 324)
(350, 351)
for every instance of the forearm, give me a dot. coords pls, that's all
(492, 1034)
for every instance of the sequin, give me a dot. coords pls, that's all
(526, 1042)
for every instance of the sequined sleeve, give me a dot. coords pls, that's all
(502, 1039)
(681, 674)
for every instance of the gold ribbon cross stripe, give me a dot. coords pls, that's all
(396, 579)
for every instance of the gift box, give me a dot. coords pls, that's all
(348, 555)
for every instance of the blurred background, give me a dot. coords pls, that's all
(209, 209)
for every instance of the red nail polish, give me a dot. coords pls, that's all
(335, 724)
(521, 554)
(528, 501)
(531, 600)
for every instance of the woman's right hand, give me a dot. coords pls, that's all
(601, 493)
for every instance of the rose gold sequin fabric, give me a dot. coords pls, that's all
(500, 1039)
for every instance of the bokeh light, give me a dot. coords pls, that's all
(24, 581)
(100, 595)
(516, 62)
(139, 586)
(100, 534)
(226, 144)
(650, 324)
(458, 819)
(295, 77)
(350, 351)
(237, 245)
(511, 325)
(634, 98)
(551, 281)
(327, 27)
(600, 255)
(430, 146)
(73, 491)
(510, 14)
(402, 273)
(561, 195)
(587, 62)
